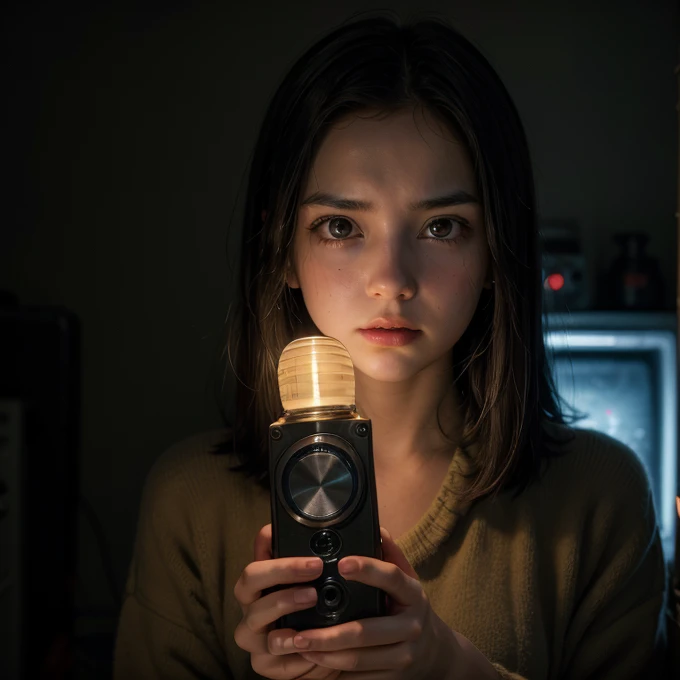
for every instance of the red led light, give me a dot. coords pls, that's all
(554, 281)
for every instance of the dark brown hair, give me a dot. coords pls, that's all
(378, 64)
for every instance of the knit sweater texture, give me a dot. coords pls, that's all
(566, 580)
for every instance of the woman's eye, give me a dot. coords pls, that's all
(339, 227)
(443, 226)
(337, 231)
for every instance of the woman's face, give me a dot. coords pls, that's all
(391, 256)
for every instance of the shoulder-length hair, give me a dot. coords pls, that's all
(501, 372)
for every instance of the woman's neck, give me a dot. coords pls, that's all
(404, 417)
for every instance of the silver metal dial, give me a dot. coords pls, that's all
(320, 484)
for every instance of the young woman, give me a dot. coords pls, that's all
(391, 187)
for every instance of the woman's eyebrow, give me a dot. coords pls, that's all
(457, 197)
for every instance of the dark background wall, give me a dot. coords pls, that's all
(127, 139)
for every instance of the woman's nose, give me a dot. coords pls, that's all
(390, 269)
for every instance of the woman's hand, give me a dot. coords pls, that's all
(254, 632)
(410, 642)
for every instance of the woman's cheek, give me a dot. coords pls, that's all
(328, 294)
(340, 280)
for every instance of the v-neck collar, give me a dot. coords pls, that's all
(438, 522)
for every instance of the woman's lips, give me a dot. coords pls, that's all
(390, 338)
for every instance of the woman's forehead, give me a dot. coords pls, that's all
(406, 151)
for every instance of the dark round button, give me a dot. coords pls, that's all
(325, 543)
(331, 594)
(333, 599)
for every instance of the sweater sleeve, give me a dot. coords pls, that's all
(165, 629)
(617, 629)
(673, 620)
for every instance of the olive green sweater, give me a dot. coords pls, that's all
(565, 581)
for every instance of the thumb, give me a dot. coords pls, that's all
(392, 553)
(263, 543)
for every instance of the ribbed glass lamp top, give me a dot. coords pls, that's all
(316, 371)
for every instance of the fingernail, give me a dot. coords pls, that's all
(312, 567)
(301, 642)
(286, 644)
(305, 595)
(348, 566)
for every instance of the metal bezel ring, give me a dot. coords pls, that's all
(330, 440)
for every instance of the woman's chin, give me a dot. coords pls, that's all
(389, 369)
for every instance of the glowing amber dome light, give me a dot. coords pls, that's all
(316, 372)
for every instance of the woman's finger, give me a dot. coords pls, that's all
(392, 553)
(263, 543)
(280, 641)
(282, 667)
(266, 611)
(293, 666)
(320, 673)
(390, 657)
(271, 607)
(258, 576)
(368, 675)
(404, 590)
(374, 632)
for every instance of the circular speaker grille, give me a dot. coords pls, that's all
(320, 482)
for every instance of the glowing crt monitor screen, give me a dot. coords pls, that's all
(624, 382)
